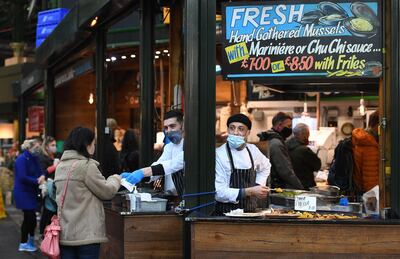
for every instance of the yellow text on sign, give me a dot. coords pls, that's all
(277, 66)
(237, 52)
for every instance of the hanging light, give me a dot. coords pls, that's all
(362, 105)
(91, 98)
(94, 22)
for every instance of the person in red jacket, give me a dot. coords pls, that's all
(366, 155)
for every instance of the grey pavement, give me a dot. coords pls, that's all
(10, 231)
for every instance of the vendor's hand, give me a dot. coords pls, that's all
(135, 177)
(41, 179)
(259, 191)
(125, 174)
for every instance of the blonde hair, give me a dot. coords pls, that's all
(28, 144)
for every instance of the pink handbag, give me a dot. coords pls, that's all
(50, 245)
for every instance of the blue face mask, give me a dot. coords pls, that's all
(174, 136)
(235, 141)
(166, 139)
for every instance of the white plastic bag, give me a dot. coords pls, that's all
(371, 202)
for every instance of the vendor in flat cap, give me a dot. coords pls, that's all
(241, 170)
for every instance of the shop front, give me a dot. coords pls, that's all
(329, 65)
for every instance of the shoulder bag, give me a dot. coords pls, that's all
(50, 245)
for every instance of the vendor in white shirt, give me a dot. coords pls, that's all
(170, 164)
(241, 170)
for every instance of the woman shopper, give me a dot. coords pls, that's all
(48, 164)
(82, 217)
(28, 176)
(129, 156)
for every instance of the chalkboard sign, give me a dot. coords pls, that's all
(293, 39)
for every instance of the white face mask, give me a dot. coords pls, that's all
(235, 141)
(52, 149)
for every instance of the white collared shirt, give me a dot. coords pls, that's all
(172, 161)
(241, 160)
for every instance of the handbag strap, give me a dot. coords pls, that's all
(65, 189)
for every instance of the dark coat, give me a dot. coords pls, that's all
(304, 162)
(27, 171)
(110, 165)
(129, 161)
(45, 162)
(282, 174)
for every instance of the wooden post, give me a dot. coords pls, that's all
(49, 103)
(101, 94)
(318, 110)
(175, 51)
(147, 83)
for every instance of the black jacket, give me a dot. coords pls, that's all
(129, 161)
(282, 174)
(304, 162)
(110, 165)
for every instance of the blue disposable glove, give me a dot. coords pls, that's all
(135, 177)
(125, 174)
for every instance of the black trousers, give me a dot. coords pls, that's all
(45, 219)
(28, 225)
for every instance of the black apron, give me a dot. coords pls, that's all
(240, 178)
(178, 180)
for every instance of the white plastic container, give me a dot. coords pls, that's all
(155, 205)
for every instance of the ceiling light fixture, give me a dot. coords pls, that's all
(156, 56)
(91, 98)
(133, 56)
(123, 57)
(158, 52)
(165, 51)
(108, 60)
(113, 59)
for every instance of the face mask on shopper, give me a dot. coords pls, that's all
(235, 141)
(286, 132)
(52, 149)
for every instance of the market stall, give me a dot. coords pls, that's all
(229, 237)
(141, 234)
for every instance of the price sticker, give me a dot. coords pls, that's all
(305, 203)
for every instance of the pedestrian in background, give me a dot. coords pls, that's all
(366, 154)
(129, 156)
(110, 165)
(48, 164)
(305, 162)
(28, 177)
(82, 217)
(282, 173)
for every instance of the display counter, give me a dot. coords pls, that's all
(142, 235)
(224, 237)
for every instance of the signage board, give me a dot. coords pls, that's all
(305, 203)
(297, 39)
(36, 118)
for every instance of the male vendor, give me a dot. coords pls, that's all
(170, 164)
(241, 170)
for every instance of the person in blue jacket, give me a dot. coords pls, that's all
(28, 177)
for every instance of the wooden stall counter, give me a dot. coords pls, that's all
(222, 237)
(142, 235)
